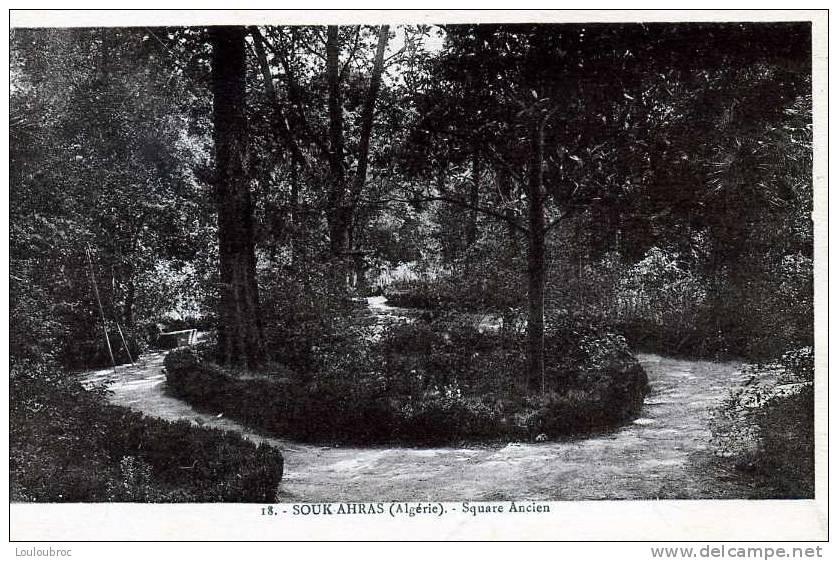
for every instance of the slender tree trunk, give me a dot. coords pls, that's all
(535, 255)
(505, 188)
(343, 198)
(337, 214)
(280, 125)
(368, 115)
(128, 305)
(239, 329)
(474, 199)
(295, 215)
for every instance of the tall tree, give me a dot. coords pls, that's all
(336, 212)
(515, 90)
(239, 328)
(536, 234)
(343, 196)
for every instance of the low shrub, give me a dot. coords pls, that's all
(69, 445)
(426, 383)
(422, 294)
(203, 323)
(766, 426)
(93, 353)
(487, 277)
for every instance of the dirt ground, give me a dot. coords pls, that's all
(661, 455)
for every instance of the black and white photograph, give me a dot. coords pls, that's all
(452, 267)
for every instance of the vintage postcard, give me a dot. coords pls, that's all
(417, 275)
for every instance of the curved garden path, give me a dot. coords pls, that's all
(662, 454)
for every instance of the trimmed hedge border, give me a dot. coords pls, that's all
(329, 411)
(69, 445)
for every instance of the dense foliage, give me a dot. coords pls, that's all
(103, 190)
(680, 177)
(588, 189)
(416, 386)
(67, 445)
(767, 426)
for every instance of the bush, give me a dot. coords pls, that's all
(418, 386)
(93, 353)
(303, 308)
(445, 415)
(422, 294)
(68, 445)
(766, 427)
(486, 277)
(202, 323)
(673, 302)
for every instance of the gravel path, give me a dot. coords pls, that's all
(662, 454)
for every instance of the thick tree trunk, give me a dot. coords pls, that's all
(535, 256)
(239, 328)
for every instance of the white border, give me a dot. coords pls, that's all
(584, 520)
(88, 18)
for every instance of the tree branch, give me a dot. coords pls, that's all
(553, 223)
(296, 99)
(351, 53)
(278, 116)
(454, 201)
(368, 115)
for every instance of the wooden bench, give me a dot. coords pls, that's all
(174, 339)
